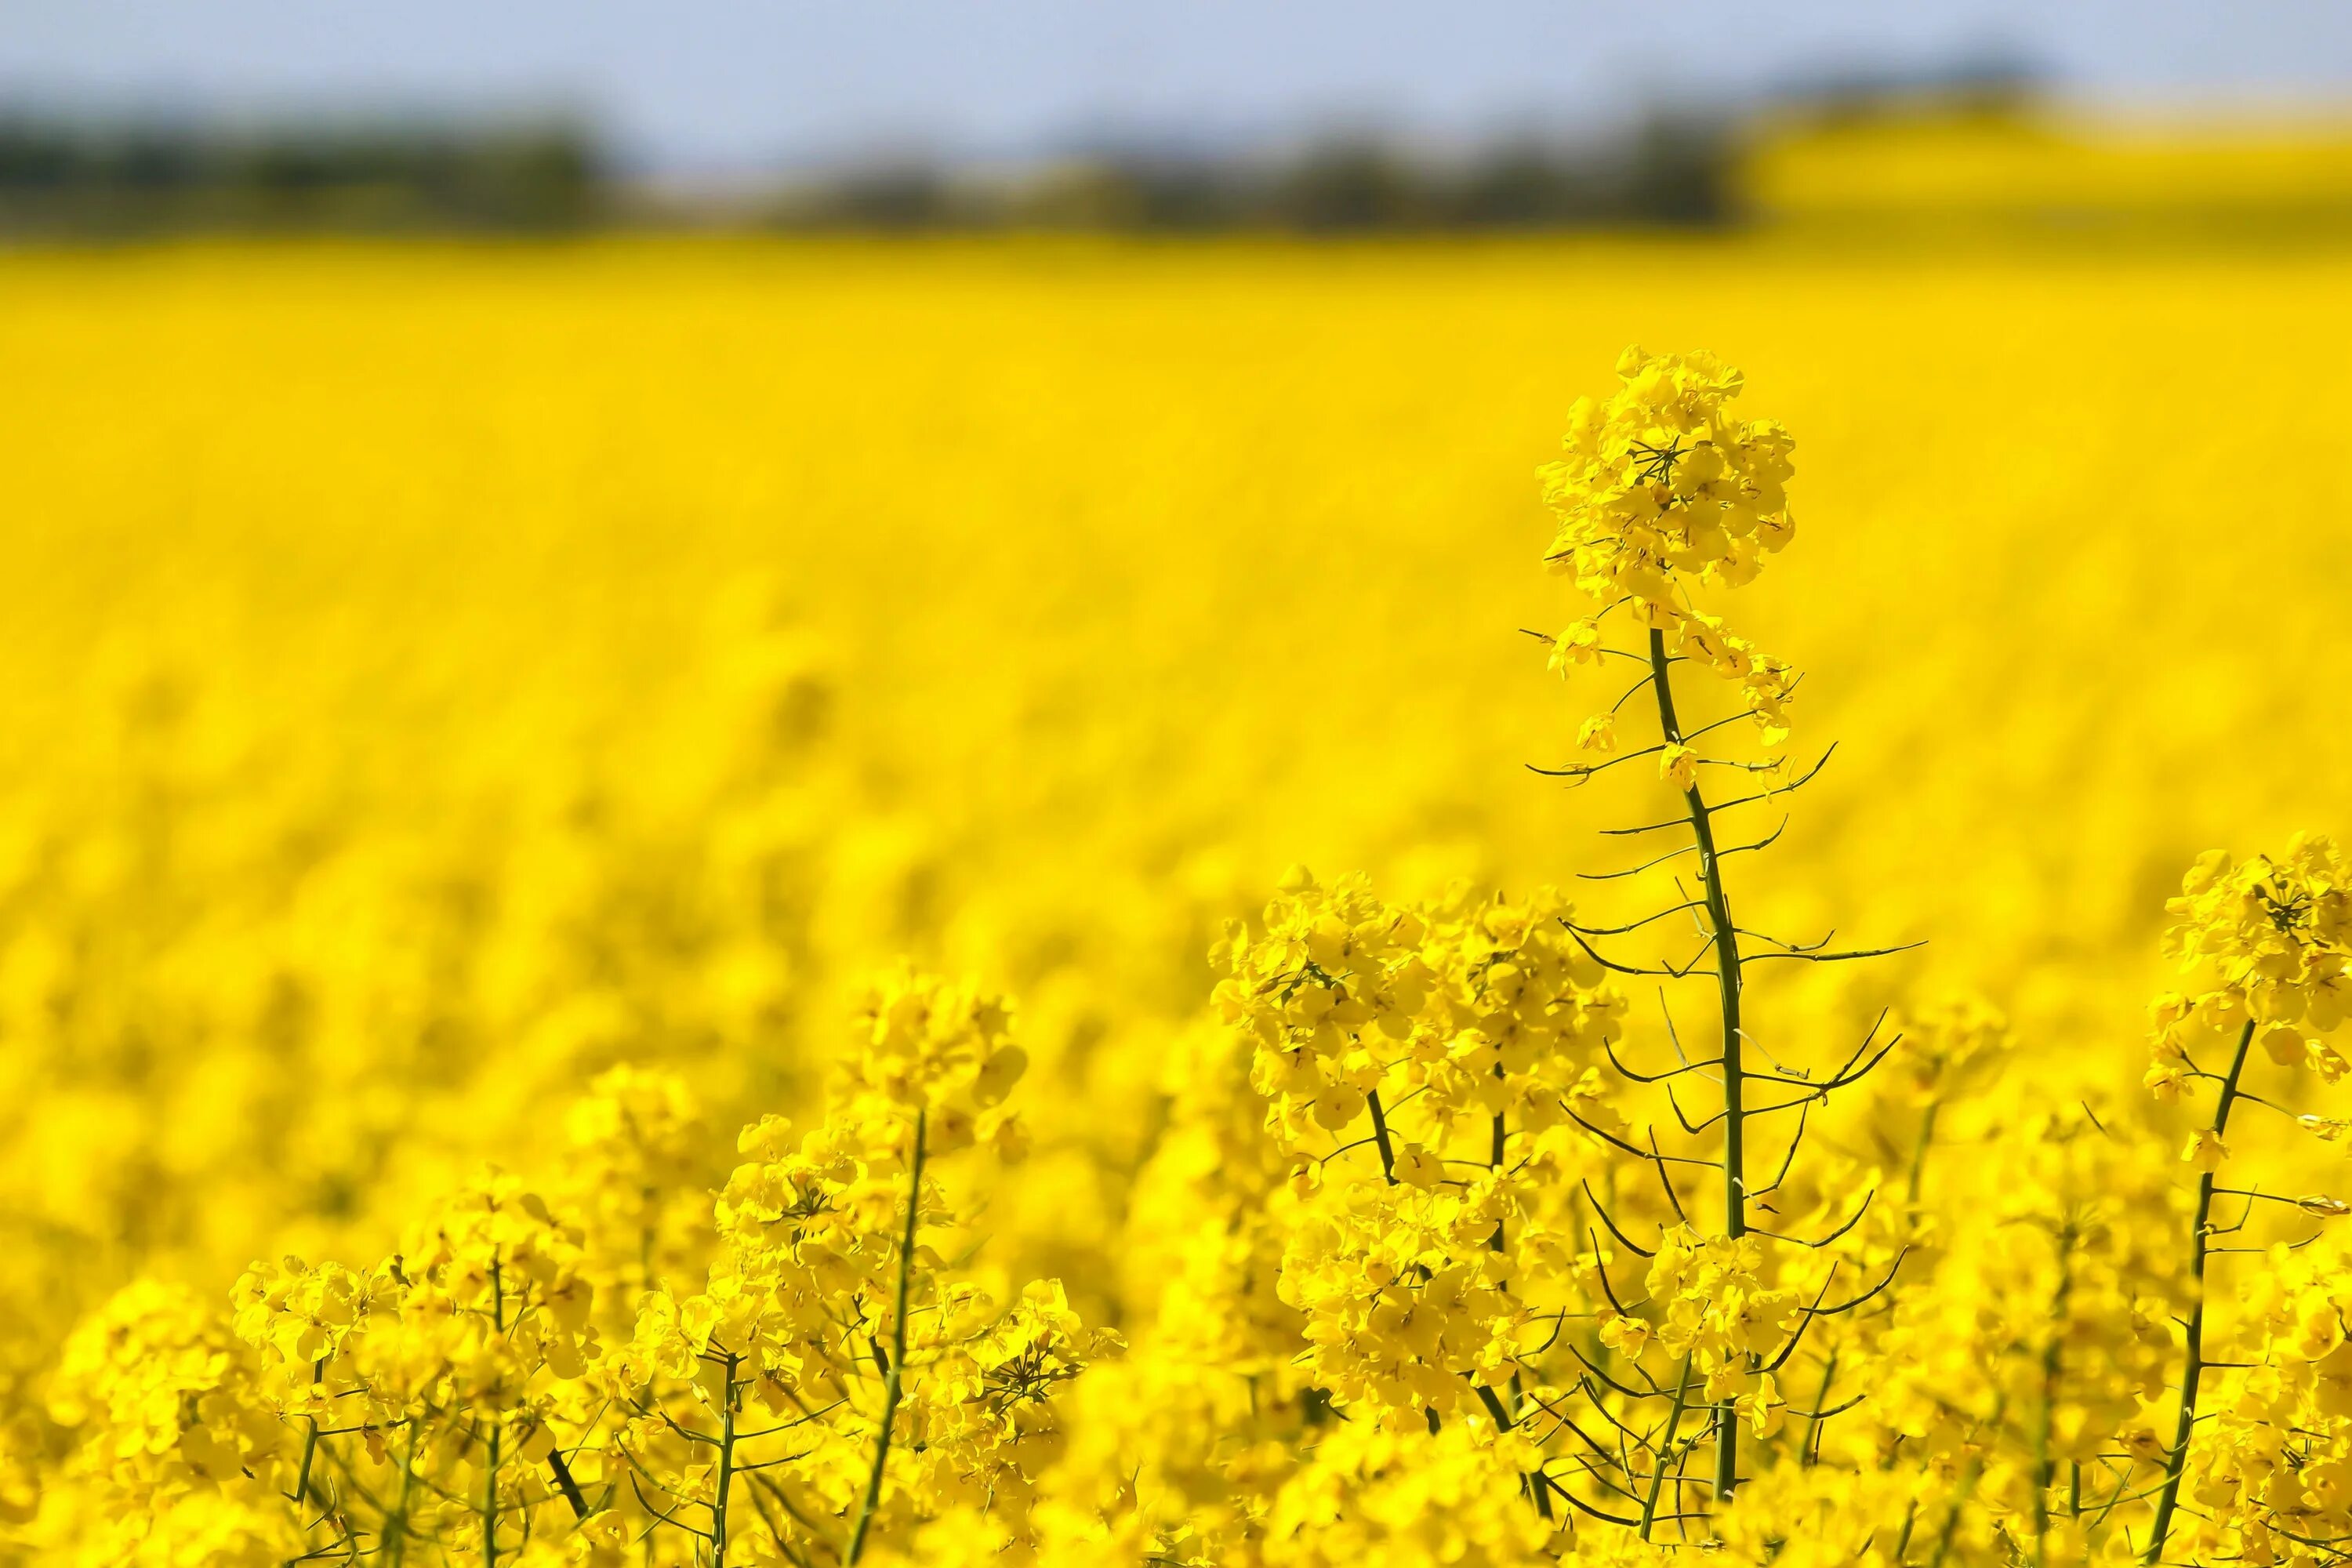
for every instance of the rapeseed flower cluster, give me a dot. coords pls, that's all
(1664, 491)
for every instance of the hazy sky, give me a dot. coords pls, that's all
(720, 83)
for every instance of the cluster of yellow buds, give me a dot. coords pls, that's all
(179, 1458)
(460, 1363)
(1480, 1006)
(1422, 1067)
(1410, 1497)
(2026, 1360)
(1712, 1304)
(937, 1048)
(831, 1368)
(634, 1173)
(2275, 935)
(2272, 935)
(1407, 1305)
(2271, 1473)
(1327, 995)
(1665, 489)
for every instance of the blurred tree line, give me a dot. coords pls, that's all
(1667, 172)
(72, 177)
(83, 177)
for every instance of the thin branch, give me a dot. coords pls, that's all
(1892, 1270)
(1846, 957)
(1601, 1209)
(1620, 968)
(1637, 870)
(1625, 1072)
(1637, 925)
(1764, 843)
(1601, 1266)
(1580, 772)
(1650, 1154)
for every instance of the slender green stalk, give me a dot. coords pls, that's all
(1951, 1531)
(566, 1484)
(1812, 1450)
(1658, 1468)
(645, 1237)
(2176, 1461)
(1495, 1144)
(894, 1376)
(1537, 1487)
(1919, 1152)
(727, 1449)
(2045, 1471)
(1726, 983)
(310, 1442)
(395, 1533)
(1381, 1137)
(490, 1504)
(490, 1471)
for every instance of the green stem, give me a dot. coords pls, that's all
(645, 1238)
(894, 1377)
(726, 1454)
(309, 1441)
(1535, 1482)
(1812, 1450)
(1919, 1151)
(395, 1533)
(2176, 1461)
(490, 1472)
(490, 1503)
(1381, 1137)
(1726, 982)
(1658, 1468)
(1496, 1145)
(1969, 1480)
(2045, 1471)
(565, 1484)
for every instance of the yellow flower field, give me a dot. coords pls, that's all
(436, 677)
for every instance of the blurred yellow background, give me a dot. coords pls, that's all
(433, 673)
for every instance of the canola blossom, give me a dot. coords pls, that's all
(592, 1177)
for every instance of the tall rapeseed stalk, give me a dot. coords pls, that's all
(1665, 493)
